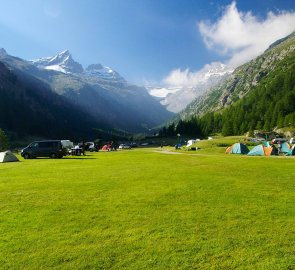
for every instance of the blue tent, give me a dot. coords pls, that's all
(257, 151)
(261, 150)
(237, 148)
(291, 151)
(285, 147)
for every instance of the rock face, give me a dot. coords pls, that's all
(100, 72)
(244, 79)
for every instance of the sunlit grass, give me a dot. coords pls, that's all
(144, 210)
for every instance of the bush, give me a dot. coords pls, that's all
(223, 144)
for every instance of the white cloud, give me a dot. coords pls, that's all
(242, 36)
(187, 78)
(238, 37)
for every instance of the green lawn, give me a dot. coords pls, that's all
(140, 209)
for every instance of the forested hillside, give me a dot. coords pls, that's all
(270, 105)
(267, 103)
(244, 79)
(29, 107)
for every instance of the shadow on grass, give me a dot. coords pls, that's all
(64, 158)
(78, 158)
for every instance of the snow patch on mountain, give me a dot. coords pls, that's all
(162, 92)
(62, 62)
(102, 72)
(182, 87)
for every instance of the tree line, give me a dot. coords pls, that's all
(271, 104)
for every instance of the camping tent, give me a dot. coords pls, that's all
(291, 151)
(285, 148)
(261, 150)
(237, 148)
(105, 148)
(7, 157)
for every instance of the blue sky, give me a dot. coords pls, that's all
(144, 40)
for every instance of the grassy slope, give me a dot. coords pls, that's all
(144, 210)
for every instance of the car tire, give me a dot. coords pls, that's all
(26, 156)
(53, 155)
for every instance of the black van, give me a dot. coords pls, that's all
(53, 149)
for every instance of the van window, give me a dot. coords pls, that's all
(34, 144)
(43, 144)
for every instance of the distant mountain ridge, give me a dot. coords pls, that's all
(100, 90)
(29, 107)
(242, 81)
(178, 98)
(63, 62)
(259, 95)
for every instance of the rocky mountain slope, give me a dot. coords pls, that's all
(243, 80)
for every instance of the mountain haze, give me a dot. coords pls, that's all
(179, 96)
(100, 90)
(29, 107)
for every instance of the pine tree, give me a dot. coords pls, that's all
(4, 143)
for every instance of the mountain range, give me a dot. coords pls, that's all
(102, 93)
(56, 96)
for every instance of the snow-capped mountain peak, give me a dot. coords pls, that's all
(98, 71)
(62, 62)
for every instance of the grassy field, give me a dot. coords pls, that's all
(142, 209)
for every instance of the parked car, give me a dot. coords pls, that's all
(124, 146)
(90, 146)
(67, 144)
(52, 149)
(276, 140)
(144, 144)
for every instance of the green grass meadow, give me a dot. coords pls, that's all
(141, 209)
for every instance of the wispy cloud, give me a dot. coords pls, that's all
(187, 78)
(242, 36)
(236, 36)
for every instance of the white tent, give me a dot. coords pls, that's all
(7, 156)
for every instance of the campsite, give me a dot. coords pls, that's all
(147, 135)
(146, 208)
